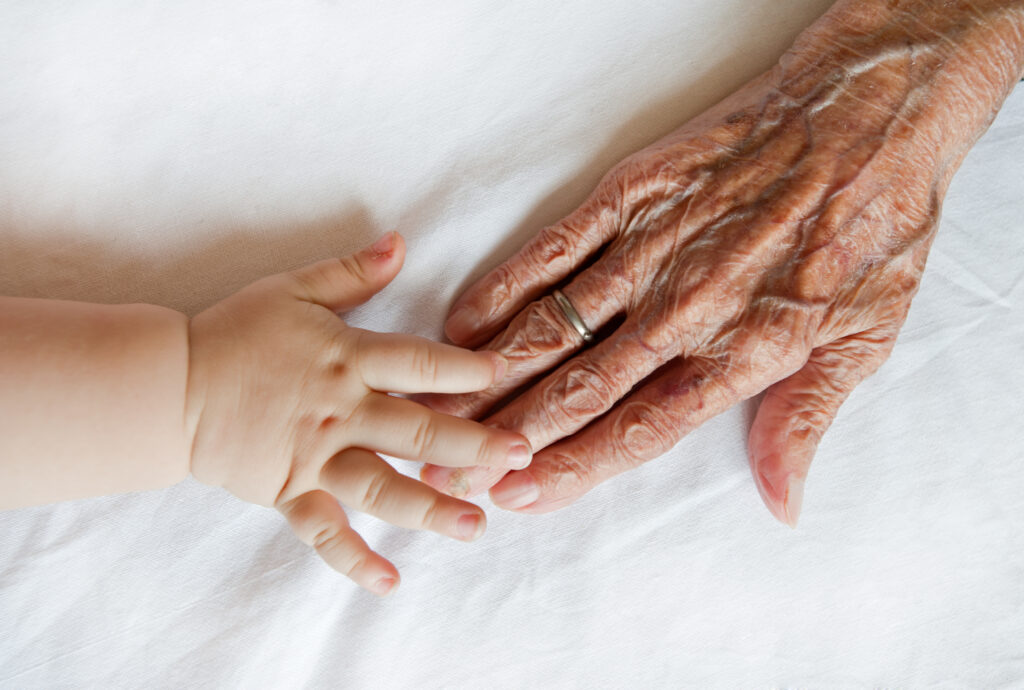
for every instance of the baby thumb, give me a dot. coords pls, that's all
(343, 283)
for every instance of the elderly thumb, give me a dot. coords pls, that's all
(796, 412)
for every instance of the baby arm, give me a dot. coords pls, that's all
(92, 399)
(267, 393)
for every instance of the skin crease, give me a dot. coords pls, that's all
(773, 243)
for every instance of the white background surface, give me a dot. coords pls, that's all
(172, 152)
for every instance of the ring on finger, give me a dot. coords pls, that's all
(572, 316)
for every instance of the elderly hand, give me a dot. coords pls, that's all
(774, 242)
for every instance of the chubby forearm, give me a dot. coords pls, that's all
(92, 399)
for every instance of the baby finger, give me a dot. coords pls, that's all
(363, 481)
(318, 520)
(404, 429)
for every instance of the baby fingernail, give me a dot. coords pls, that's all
(470, 526)
(462, 324)
(519, 456)
(383, 247)
(515, 491)
(384, 586)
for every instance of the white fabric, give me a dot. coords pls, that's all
(171, 152)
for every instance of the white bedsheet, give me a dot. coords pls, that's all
(171, 152)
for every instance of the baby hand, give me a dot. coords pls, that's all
(289, 406)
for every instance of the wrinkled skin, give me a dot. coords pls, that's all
(773, 243)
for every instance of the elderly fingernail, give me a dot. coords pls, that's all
(519, 456)
(384, 586)
(794, 499)
(784, 495)
(515, 491)
(500, 367)
(462, 324)
(470, 527)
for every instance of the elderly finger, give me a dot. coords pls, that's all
(407, 364)
(542, 263)
(461, 482)
(363, 481)
(674, 401)
(405, 429)
(582, 389)
(542, 336)
(797, 411)
(318, 520)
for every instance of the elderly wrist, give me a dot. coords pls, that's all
(938, 70)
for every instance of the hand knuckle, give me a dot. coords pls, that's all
(546, 329)
(375, 493)
(485, 451)
(643, 431)
(425, 363)
(311, 529)
(353, 563)
(335, 547)
(352, 266)
(570, 473)
(587, 390)
(431, 517)
(322, 535)
(424, 438)
(505, 283)
(553, 252)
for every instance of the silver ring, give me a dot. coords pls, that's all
(572, 316)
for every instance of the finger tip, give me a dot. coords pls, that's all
(520, 455)
(471, 526)
(386, 585)
(782, 493)
(447, 480)
(388, 254)
(516, 491)
(794, 501)
(425, 474)
(764, 480)
(461, 325)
